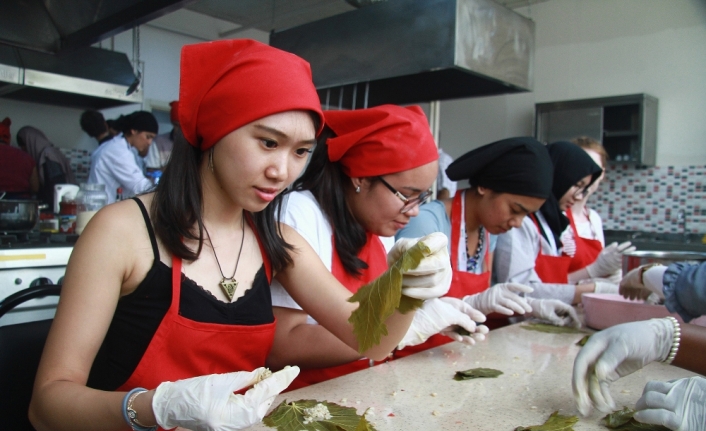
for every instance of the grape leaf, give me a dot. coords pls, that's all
(556, 422)
(582, 342)
(291, 417)
(622, 420)
(544, 327)
(476, 373)
(380, 298)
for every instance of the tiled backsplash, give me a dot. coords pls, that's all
(80, 162)
(649, 199)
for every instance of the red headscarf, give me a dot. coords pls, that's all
(174, 111)
(380, 140)
(227, 84)
(5, 135)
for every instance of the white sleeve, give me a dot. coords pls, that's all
(514, 259)
(302, 212)
(122, 165)
(597, 225)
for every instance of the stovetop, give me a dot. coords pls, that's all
(35, 239)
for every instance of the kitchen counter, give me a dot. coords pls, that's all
(419, 393)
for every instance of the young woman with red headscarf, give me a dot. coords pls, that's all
(370, 171)
(166, 309)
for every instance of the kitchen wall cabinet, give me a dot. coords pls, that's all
(626, 125)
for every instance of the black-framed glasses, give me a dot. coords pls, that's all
(409, 203)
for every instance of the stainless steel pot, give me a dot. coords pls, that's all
(634, 259)
(18, 215)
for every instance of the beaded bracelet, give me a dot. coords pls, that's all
(129, 413)
(676, 338)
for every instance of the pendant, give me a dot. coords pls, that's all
(229, 285)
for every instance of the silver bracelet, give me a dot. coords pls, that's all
(676, 338)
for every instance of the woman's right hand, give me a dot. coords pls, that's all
(207, 403)
(432, 277)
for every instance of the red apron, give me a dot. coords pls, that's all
(182, 348)
(374, 254)
(550, 269)
(462, 284)
(587, 250)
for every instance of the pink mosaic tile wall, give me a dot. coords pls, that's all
(648, 199)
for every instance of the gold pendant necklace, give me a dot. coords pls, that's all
(228, 284)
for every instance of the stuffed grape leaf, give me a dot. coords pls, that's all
(379, 299)
(556, 422)
(582, 342)
(622, 420)
(544, 327)
(476, 373)
(294, 416)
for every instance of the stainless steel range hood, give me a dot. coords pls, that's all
(81, 78)
(410, 51)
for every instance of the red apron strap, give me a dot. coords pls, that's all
(456, 216)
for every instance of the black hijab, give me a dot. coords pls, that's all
(520, 166)
(571, 163)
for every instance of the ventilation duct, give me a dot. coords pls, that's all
(410, 51)
(81, 78)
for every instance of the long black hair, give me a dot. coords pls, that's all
(326, 181)
(178, 206)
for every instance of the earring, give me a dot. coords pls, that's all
(357, 189)
(210, 160)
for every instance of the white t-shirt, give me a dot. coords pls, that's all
(590, 229)
(301, 211)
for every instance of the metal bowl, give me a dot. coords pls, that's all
(634, 259)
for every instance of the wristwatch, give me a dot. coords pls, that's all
(645, 268)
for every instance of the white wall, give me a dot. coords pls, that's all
(597, 48)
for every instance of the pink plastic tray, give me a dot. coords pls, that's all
(603, 310)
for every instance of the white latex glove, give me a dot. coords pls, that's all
(432, 277)
(207, 403)
(616, 352)
(605, 287)
(444, 316)
(679, 404)
(556, 312)
(501, 298)
(640, 283)
(615, 277)
(609, 260)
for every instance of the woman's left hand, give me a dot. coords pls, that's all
(432, 277)
(207, 403)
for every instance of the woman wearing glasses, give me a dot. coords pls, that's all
(532, 254)
(367, 176)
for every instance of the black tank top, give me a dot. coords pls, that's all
(138, 315)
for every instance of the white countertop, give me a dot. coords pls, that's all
(419, 393)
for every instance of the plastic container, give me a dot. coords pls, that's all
(89, 199)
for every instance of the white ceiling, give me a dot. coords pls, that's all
(218, 19)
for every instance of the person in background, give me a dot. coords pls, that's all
(19, 178)
(584, 240)
(532, 254)
(161, 148)
(94, 124)
(114, 165)
(369, 172)
(509, 179)
(160, 322)
(115, 125)
(445, 188)
(52, 165)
